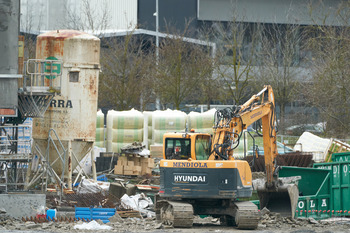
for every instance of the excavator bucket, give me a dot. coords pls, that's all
(282, 199)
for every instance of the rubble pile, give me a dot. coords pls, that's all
(270, 220)
(117, 224)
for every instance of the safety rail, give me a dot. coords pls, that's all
(42, 75)
(41, 81)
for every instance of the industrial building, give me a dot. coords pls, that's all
(117, 18)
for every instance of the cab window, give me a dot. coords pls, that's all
(202, 147)
(177, 148)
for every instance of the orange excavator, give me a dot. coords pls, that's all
(200, 176)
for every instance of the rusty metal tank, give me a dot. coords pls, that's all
(72, 113)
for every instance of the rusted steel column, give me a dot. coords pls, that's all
(93, 164)
(69, 165)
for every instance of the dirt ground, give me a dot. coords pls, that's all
(268, 223)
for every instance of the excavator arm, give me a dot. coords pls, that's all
(229, 126)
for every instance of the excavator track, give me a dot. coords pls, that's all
(176, 214)
(247, 215)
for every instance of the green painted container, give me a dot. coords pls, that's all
(324, 189)
(341, 157)
(314, 191)
(340, 186)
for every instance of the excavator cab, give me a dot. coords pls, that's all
(186, 146)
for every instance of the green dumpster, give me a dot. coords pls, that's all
(324, 190)
(314, 191)
(340, 186)
(341, 157)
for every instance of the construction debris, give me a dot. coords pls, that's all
(140, 203)
(91, 186)
(129, 214)
(93, 225)
(270, 220)
(297, 159)
(131, 197)
(119, 189)
(135, 148)
(321, 148)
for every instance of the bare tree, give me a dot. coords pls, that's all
(279, 63)
(182, 68)
(330, 89)
(237, 43)
(31, 22)
(125, 80)
(86, 17)
(209, 87)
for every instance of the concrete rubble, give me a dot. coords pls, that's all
(270, 220)
(132, 224)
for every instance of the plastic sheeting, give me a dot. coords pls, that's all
(309, 142)
(85, 163)
(123, 127)
(201, 122)
(93, 225)
(91, 186)
(167, 121)
(139, 202)
(100, 130)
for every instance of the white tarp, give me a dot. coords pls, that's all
(309, 142)
(93, 225)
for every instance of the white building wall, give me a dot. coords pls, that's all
(39, 15)
(124, 13)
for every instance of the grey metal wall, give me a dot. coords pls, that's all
(172, 12)
(9, 18)
(269, 11)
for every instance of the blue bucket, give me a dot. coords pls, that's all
(50, 214)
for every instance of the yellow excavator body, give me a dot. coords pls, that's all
(199, 174)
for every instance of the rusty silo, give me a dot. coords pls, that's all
(72, 114)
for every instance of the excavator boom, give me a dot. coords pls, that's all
(228, 129)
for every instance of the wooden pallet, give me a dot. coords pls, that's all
(129, 214)
(335, 146)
